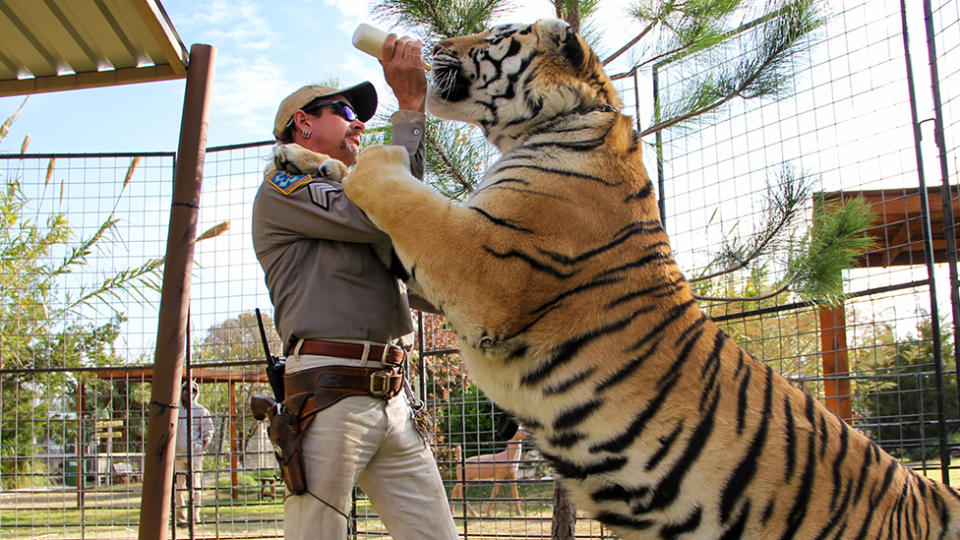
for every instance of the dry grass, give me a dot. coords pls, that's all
(113, 512)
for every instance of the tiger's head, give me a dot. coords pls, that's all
(511, 78)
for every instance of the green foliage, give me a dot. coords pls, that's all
(457, 158)
(457, 154)
(898, 394)
(236, 339)
(782, 209)
(811, 258)
(46, 325)
(469, 420)
(33, 302)
(832, 244)
(789, 343)
(438, 19)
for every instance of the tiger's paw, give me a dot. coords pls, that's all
(377, 167)
(296, 159)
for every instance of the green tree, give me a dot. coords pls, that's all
(897, 389)
(236, 339)
(45, 325)
(788, 342)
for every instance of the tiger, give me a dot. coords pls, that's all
(557, 277)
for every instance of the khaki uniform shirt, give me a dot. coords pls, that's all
(314, 246)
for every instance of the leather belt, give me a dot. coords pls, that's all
(345, 381)
(385, 354)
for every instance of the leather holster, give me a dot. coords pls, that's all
(286, 434)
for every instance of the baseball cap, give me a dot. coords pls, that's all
(362, 96)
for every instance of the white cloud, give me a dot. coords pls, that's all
(246, 92)
(233, 24)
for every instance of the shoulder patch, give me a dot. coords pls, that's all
(320, 193)
(288, 183)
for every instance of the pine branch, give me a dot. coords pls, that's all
(781, 208)
(764, 69)
(784, 287)
(450, 167)
(834, 242)
(438, 19)
(814, 270)
(636, 39)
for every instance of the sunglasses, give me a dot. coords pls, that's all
(339, 107)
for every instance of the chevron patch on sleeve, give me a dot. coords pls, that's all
(320, 194)
(287, 183)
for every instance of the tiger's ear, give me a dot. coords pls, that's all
(559, 34)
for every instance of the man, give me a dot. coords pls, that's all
(194, 440)
(338, 309)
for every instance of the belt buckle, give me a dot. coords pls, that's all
(386, 351)
(383, 387)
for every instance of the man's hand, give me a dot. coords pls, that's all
(403, 70)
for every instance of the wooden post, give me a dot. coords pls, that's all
(81, 454)
(836, 369)
(159, 451)
(564, 525)
(232, 421)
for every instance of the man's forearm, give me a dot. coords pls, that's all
(409, 131)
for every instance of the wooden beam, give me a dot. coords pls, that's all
(232, 422)
(836, 369)
(94, 79)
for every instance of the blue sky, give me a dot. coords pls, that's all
(265, 50)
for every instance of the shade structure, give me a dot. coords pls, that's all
(51, 45)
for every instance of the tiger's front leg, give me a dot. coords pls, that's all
(438, 241)
(397, 202)
(381, 185)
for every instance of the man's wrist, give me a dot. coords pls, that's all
(417, 105)
(406, 115)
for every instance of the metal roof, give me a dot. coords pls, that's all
(48, 45)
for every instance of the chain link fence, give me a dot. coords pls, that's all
(86, 233)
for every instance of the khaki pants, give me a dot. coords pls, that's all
(182, 470)
(372, 443)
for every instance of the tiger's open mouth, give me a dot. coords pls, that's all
(449, 82)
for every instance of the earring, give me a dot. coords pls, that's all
(306, 133)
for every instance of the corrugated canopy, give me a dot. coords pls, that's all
(48, 45)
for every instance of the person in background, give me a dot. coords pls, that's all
(195, 440)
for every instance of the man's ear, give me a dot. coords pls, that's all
(300, 120)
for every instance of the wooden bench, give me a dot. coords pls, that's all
(123, 472)
(268, 485)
